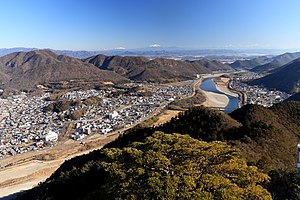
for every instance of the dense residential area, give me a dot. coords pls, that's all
(26, 122)
(255, 94)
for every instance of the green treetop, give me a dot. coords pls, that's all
(173, 166)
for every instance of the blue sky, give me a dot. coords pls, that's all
(99, 24)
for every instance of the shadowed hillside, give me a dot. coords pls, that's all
(269, 135)
(295, 97)
(286, 79)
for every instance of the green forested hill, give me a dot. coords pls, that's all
(163, 166)
(145, 164)
(268, 136)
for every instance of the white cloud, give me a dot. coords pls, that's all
(229, 46)
(154, 45)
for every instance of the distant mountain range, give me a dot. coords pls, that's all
(286, 78)
(24, 70)
(156, 51)
(283, 71)
(249, 64)
(4, 52)
(277, 62)
(265, 64)
(156, 70)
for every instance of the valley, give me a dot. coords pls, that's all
(149, 100)
(86, 113)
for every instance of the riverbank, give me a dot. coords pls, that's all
(242, 95)
(222, 86)
(214, 99)
(220, 95)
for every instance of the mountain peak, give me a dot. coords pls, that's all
(24, 70)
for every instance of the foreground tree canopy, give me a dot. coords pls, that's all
(173, 166)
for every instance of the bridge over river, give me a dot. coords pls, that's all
(223, 109)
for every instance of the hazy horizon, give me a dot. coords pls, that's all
(111, 24)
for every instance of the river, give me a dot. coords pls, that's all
(209, 85)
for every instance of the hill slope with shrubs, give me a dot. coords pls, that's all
(144, 163)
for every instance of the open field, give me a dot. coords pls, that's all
(166, 116)
(25, 171)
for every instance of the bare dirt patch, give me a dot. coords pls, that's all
(166, 116)
(25, 171)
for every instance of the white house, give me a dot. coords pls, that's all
(51, 136)
(106, 130)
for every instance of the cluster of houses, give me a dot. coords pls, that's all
(24, 126)
(256, 94)
(124, 110)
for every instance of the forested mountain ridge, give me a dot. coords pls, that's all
(286, 79)
(24, 70)
(264, 64)
(277, 62)
(265, 137)
(251, 63)
(156, 70)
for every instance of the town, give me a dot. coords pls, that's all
(256, 94)
(26, 126)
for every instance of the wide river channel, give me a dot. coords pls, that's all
(209, 85)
